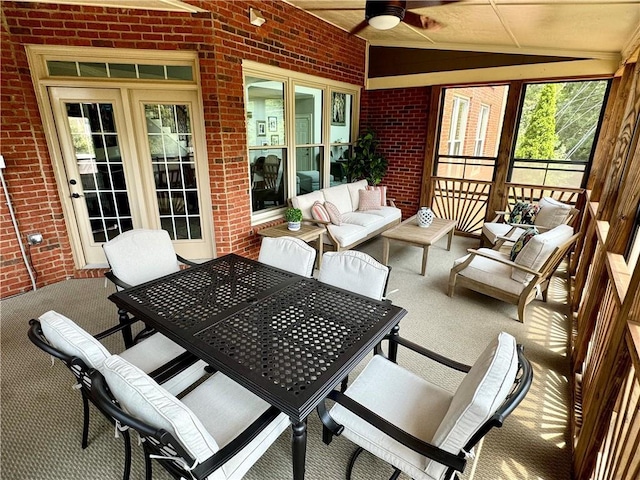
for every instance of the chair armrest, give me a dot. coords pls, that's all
(392, 202)
(461, 367)
(505, 262)
(313, 220)
(185, 261)
(110, 275)
(456, 462)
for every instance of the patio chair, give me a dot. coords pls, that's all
(138, 256)
(550, 214)
(217, 431)
(493, 273)
(419, 427)
(63, 339)
(288, 253)
(355, 271)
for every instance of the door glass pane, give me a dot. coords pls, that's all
(97, 152)
(171, 146)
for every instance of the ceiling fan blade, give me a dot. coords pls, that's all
(359, 27)
(333, 9)
(427, 3)
(421, 21)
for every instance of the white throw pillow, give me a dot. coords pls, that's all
(69, 338)
(477, 398)
(144, 399)
(552, 212)
(538, 249)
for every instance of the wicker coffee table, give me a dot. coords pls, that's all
(409, 232)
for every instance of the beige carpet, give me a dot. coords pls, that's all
(41, 414)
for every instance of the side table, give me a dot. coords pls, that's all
(307, 233)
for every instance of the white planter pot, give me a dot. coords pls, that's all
(294, 226)
(425, 217)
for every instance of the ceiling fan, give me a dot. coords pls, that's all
(384, 15)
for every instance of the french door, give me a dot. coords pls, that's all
(133, 159)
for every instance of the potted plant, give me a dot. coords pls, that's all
(366, 162)
(294, 217)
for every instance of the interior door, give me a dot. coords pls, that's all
(96, 155)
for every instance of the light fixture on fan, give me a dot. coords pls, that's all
(384, 15)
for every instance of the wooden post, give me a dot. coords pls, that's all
(435, 106)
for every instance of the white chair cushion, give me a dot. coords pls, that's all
(402, 398)
(339, 196)
(306, 201)
(538, 249)
(141, 255)
(143, 398)
(552, 212)
(69, 338)
(354, 271)
(493, 230)
(226, 409)
(491, 273)
(477, 398)
(156, 350)
(354, 189)
(363, 219)
(288, 253)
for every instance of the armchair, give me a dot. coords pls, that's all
(419, 427)
(63, 339)
(217, 431)
(138, 256)
(550, 214)
(493, 273)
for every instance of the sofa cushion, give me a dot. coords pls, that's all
(354, 188)
(493, 230)
(383, 193)
(364, 219)
(319, 212)
(369, 200)
(339, 196)
(334, 213)
(305, 202)
(552, 212)
(538, 250)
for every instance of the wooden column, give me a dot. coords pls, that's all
(435, 106)
(498, 195)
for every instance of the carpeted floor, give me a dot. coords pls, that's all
(41, 413)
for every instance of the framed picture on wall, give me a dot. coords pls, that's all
(261, 127)
(338, 108)
(275, 140)
(273, 124)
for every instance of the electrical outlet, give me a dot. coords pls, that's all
(34, 238)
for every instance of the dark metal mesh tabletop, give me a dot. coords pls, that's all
(295, 336)
(196, 295)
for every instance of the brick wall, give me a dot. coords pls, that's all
(399, 118)
(289, 39)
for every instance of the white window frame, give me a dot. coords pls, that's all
(290, 79)
(459, 117)
(481, 130)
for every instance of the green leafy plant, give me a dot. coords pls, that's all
(366, 162)
(293, 214)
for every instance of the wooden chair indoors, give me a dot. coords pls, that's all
(492, 272)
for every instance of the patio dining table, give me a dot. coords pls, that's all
(288, 339)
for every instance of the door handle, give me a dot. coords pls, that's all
(76, 195)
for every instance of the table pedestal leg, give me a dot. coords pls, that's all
(393, 344)
(453, 230)
(127, 335)
(320, 249)
(298, 448)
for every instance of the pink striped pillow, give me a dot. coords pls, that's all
(369, 200)
(319, 212)
(383, 193)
